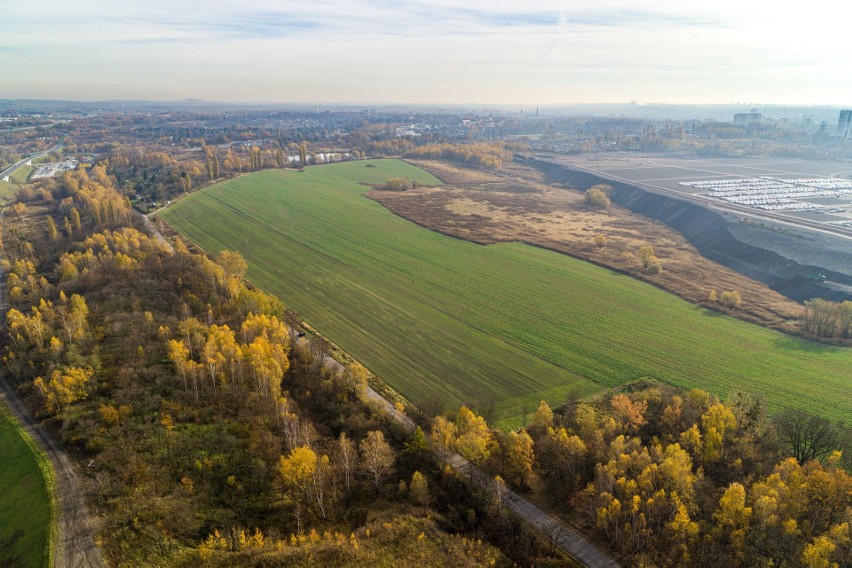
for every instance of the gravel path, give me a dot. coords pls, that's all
(156, 232)
(561, 534)
(75, 546)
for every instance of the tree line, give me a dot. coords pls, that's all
(490, 156)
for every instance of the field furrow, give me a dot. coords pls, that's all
(443, 319)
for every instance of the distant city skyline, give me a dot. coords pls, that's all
(497, 52)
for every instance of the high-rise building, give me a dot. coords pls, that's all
(748, 118)
(844, 124)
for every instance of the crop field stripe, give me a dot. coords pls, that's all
(437, 316)
(465, 360)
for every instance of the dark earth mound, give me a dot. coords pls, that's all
(788, 260)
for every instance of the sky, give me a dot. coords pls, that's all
(429, 52)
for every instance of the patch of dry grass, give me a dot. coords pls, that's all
(514, 208)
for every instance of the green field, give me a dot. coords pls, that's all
(21, 175)
(25, 499)
(7, 192)
(438, 317)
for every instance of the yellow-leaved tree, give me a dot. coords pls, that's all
(63, 388)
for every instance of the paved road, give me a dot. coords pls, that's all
(11, 169)
(75, 546)
(561, 534)
(711, 203)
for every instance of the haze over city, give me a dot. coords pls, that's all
(432, 52)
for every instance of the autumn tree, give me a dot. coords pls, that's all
(377, 457)
(819, 317)
(63, 388)
(418, 489)
(355, 377)
(52, 231)
(474, 439)
(542, 420)
(650, 263)
(516, 457)
(297, 472)
(178, 354)
(303, 155)
(731, 299)
(629, 414)
(347, 459)
(732, 519)
(599, 196)
(73, 314)
(233, 263)
(75, 219)
(442, 435)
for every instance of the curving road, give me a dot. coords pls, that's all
(75, 546)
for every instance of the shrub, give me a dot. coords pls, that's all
(731, 299)
(399, 184)
(598, 195)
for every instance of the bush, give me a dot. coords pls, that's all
(731, 299)
(399, 184)
(650, 263)
(598, 195)
(653, 266)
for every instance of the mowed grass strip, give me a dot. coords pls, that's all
(21, 175)
(7, 192)
(25, 499)
(442, 318)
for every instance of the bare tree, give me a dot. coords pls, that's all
(347, 457)
(807, 436)
(377, 457)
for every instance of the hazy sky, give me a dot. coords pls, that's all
(533, 52)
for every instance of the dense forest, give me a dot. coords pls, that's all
(670, 478)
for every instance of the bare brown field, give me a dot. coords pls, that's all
(514, 205)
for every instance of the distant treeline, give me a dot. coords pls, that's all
(491, 156)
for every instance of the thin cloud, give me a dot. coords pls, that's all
(428, 51)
